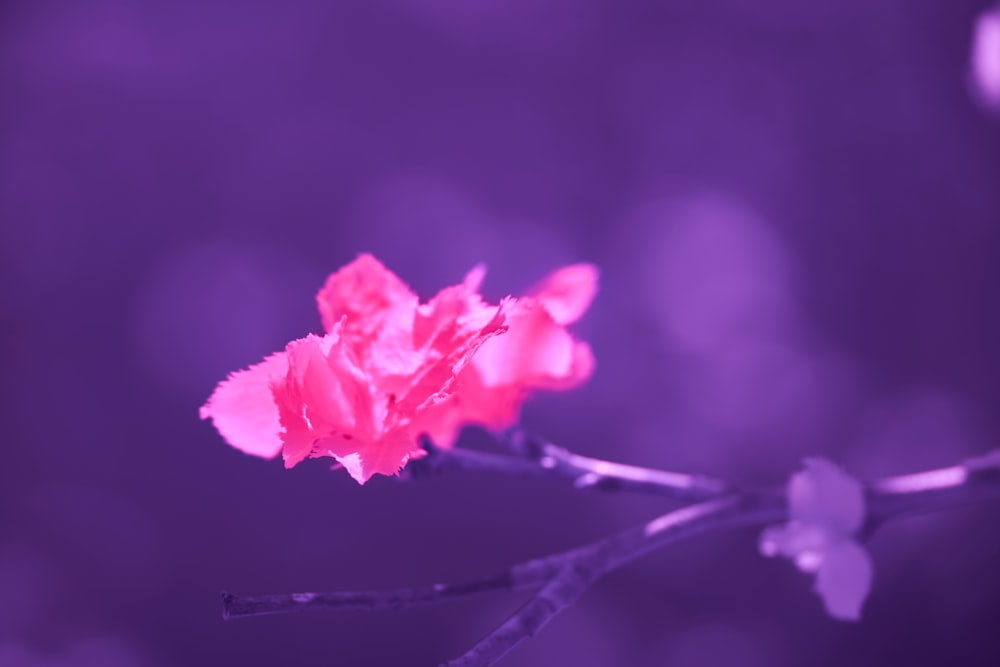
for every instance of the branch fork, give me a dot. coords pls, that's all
(560, 579)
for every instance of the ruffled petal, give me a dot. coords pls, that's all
(441, 422)
(323, 402)
(492, 407)
(449, 331)
(385, 457)
(243, 409)
(368, 297)
(474, 278)
(535, 353)
(568, 292)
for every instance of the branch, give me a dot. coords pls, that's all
(930, 491)
(524, 576)
(530, 457)
(564, 576)
(539, 459)
(602, 557)
(568, 585)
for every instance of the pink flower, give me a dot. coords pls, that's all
(360, 393)
(389, 369)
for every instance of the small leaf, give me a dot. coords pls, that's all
(826, 507)
(823, 494)
(844, 579)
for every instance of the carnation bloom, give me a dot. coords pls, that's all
(389, 369)
(826, 508)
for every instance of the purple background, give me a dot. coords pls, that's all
(796, 210)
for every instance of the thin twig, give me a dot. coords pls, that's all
(235, 606)
(564, 576)
(922, 492)
(611, 553)
(892, 497)
(548, 461)
(604, 475)
(562, 590)
(528, 575)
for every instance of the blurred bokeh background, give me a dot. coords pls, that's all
(796, 210)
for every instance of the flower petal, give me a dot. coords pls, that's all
(567, 292)
(243, 409)
(494, 408)
(535, 353)
(450, 330)
(368, 296)
(386, 457)
(844, 579)
(474, 278)
(323, 403)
